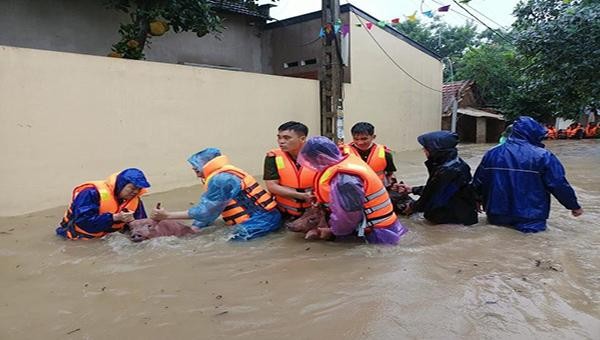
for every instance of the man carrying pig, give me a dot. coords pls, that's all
(358, 202)
(230, 192)
(101, 207)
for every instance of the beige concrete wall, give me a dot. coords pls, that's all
(67, 118)
(382, 94)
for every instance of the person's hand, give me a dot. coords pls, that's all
(577, 212)
(319, 234)
(159, 214)
(308, 197)
(401, 188)
(123, 216)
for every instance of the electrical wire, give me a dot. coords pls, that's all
(392, 59)
(483, 23)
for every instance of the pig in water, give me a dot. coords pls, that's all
(314, 217)
(146, 228)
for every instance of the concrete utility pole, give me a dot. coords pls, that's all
(331, 74)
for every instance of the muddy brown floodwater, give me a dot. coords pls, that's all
(441, 282)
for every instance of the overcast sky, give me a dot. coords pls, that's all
(499, 12)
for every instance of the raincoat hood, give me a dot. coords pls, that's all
(133, 176)
(319, 153)
(441, 146)
(199, 159)
(527, 128)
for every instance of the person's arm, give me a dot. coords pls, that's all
(271, 178)
(86, 213)
(556, 183)
(346, 204)
(221, 189)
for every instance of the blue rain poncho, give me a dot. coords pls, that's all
(515, 179)
(222, 188)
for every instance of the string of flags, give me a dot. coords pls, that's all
(330, 30)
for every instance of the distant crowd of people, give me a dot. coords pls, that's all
(354, 183)
(574, 131)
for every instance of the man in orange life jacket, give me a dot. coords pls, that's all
(101, 207)
(358, 202)
(378, 156)
(591, 130)
(552, 133)
(230, 192)
(290, 183)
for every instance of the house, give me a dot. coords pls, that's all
(475, 123)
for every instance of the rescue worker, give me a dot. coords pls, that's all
(230, 192)
(504, 135)
(552, 133)
(358, 202)
(98, 208)
(591, 130)
(378, 156)
(447, 197)
(575, 131)
(515, 180)
(290, 183)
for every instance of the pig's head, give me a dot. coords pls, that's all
(142, 229)
(314, 217)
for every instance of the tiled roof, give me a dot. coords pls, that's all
(456, 89)
(239, 8)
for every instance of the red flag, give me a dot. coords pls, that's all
(396, 21)
(444, 8)
(369, 25)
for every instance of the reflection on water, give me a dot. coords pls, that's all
(442, 281)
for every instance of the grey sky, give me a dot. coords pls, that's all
(499, 11)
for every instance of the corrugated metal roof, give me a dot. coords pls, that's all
(453, 89)
(473, 112)
(239, 8)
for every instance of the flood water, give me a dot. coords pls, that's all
(441, 282)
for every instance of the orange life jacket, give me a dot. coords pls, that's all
(235, 213)
(108, 204)
(290, 176)
(552, 133)
(591, 132)
(377, 206)
(376, 159)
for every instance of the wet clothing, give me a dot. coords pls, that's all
(515, 180)
(378, 156)
(552, 133)
(447, 197)
(228, 189)
(591, 131)
(90, 214)
(347, 193)
(289, 174)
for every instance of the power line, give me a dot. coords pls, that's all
(483, 23)
(485, 16)
(392, 59)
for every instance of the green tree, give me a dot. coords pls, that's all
(150, 18)
(493, 66)
(558, 42)
(447, 41)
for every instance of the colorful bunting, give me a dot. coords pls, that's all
(321, 33)
(359, 25)
(396, 21)
(336, 27)
(412, 17)
(381, 24)
(466, 1)
(369, 25)
(345, 29)
(444, 8)
(428, 14)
